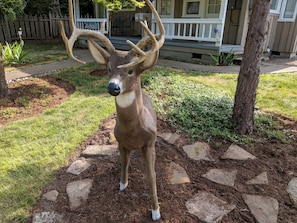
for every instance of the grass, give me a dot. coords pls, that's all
(32, 150)
(277, 93)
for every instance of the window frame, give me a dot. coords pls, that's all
(282, 12)
(200, 12)
(278, 8)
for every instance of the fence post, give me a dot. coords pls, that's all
(6, 30)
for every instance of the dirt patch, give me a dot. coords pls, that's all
(32, 96)
(106, 204)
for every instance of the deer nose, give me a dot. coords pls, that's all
(114, 89)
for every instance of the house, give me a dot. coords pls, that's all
(196, 28)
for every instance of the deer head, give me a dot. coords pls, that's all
(123, 66)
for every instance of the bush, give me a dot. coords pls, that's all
(224, 59)
(13, 53)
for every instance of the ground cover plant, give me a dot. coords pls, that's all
(35, 146)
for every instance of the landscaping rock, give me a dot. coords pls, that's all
(78, 166)
(78, 192)
(260, 179)
(198, 151)
(208, 208)
(51, 195)
(235, 152)
(292, 190)
(104, 150)
(264, 209)
(169, 137)
(47, 217)
(177, 174)
(221, 176)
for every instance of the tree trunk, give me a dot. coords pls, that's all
(248, 78)
(4, 91)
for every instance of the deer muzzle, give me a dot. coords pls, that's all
(114, 89)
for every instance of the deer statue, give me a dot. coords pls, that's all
(136, 119)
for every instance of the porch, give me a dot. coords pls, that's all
(189, 39)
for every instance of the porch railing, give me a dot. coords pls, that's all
(192, 29)
(91, 23)
(177, 28)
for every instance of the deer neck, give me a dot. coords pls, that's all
(129, 105)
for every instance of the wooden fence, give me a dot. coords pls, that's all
(33, 28)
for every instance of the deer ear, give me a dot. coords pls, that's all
(149, 61)
(99, 54)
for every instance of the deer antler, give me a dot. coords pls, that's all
(82, 32)
(156, 39)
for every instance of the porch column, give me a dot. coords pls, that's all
(76, 12)
(222, 16)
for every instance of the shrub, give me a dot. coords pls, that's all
(224, 59)
(13, 53)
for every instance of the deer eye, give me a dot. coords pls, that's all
(130, 72)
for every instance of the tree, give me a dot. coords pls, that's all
(9, 8)
(248, 78)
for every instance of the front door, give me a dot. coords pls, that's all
(232, 22)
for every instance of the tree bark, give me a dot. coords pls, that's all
(248, 78)
(4, 91)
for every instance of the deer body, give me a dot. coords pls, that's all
(136, 124)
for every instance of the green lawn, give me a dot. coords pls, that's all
(32, 150)
(277, 93)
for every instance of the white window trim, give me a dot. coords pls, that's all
(278, 7)
(281, 18)
(201, 9)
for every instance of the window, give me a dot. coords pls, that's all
(165, 8)
(275, 6)
(193, 8)
(288, 11)
(214, 6)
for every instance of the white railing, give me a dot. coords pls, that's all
(91, 23)
(177, 28)
(192, 29)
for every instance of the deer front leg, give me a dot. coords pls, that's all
(125, 160)
(150, 157)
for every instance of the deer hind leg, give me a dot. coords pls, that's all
(150, 157)
(125, 160)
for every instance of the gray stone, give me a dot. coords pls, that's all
(235, 152)
(78, 192)
(259, 179)
(177, 174)
(292, 190)
(104, 150)
(208, 208)
(198, 151)
(221, 176)
(264, 209)
(47, 217)
(51, 195)
(169, 137)
(78, 166)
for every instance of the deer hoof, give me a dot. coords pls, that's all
(156, 214)
(123, 186)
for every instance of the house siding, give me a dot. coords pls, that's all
(286, 41)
